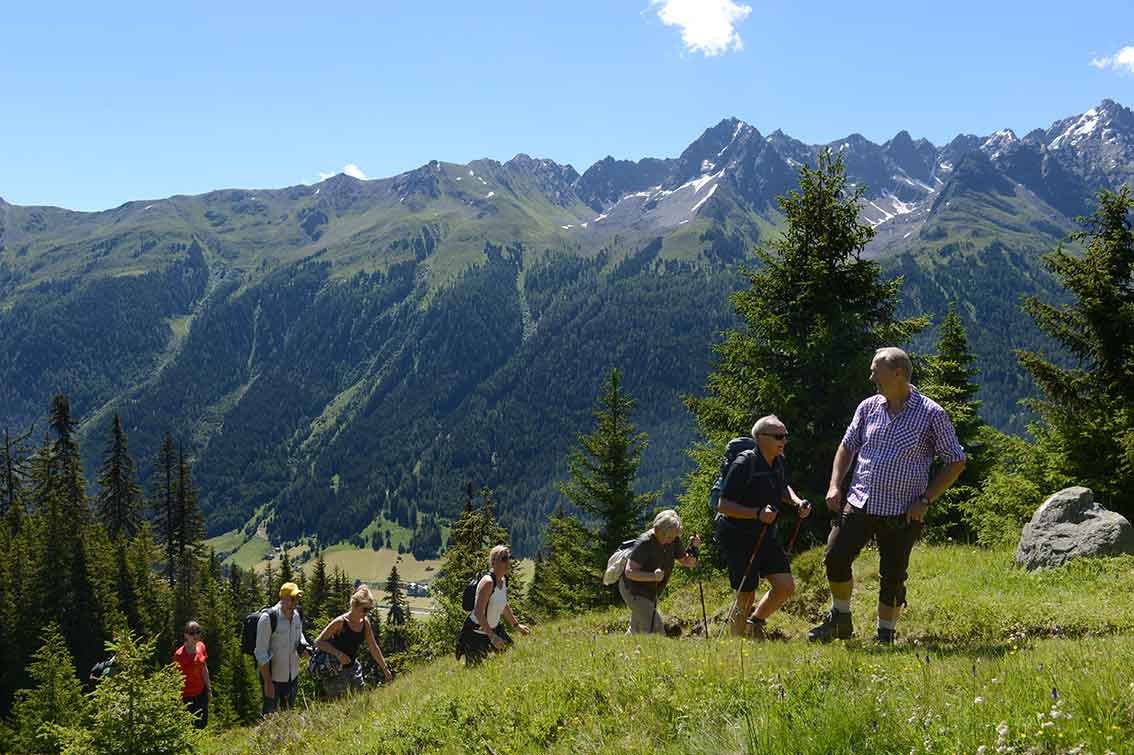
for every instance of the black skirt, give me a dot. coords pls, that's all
(475, 646)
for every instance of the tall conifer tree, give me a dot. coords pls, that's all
(119, 497)
(1088, 409)
(604, 469)
(812, 317)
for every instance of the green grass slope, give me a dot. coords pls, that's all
(990, 659)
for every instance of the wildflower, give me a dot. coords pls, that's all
(978, 701)
(1054, 693)
(1047, 724)
(982, 750)
(1002, 729)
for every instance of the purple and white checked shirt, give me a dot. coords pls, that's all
(894, 454)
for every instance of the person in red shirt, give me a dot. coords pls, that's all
(197, 691)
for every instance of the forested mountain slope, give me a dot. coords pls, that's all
(329, 352)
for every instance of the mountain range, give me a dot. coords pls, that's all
(345, 356)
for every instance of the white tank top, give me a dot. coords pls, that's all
(496, 603)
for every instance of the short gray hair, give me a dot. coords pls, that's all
(764, 423)
(895, 358)
(667, 521)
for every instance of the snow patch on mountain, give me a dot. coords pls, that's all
(705, 199)
(1079, 130)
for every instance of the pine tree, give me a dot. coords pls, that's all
(136, 710)
(119, 497)
(316, 600)
(56, 699)
(287, 573)
(1088, 410)
(13, 476)
(189, 550)
(166, 503)
(948, 381)
(72, 485)
(473, 536)
(813, 316)
(565, 574)
(398, 612)
(603, 471)
(397, 616)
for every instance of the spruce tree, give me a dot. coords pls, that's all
(189, 550)
(471, 539)
(55, 701)
(316, 600)
(603, 470)
(565, 580)
(397, 615)
(397, 610)
(1088, 409)
(135, 711)
(13, 476)
(813, 315)
(168, 526)
(948, 381)
(119, 497)
(72, 484)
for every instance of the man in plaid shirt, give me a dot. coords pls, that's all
(895, 435)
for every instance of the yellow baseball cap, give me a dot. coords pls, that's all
(290, 590)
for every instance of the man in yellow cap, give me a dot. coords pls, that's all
(279, 641)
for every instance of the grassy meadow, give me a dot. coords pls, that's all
(988, 656)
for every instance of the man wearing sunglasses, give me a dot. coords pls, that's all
(754, 490)
(892, 440)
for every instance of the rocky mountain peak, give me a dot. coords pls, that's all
(716, 148)
(994, 145)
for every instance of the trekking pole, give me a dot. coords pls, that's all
(794, 535)
(747, 570)
(654, 615)
(704, 616)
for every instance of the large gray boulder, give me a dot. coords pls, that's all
(1070, 525)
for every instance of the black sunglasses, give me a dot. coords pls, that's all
(777, 436)
(193, 632)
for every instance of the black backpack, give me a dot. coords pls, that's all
(468, 598)
(251, 622)
(735, 448)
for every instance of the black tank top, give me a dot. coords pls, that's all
(348, 640)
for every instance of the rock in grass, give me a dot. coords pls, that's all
(1070, 525)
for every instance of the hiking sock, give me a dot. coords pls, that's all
(887, 624)
(842, 606)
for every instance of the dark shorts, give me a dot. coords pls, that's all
(737, 539)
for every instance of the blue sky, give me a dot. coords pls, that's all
(102, 103)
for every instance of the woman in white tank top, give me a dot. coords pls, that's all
(482, 631)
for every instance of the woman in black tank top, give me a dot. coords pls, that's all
(342, 639)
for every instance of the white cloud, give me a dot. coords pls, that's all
(707, 26)
(350, 169)
(354, 171)
(1123, 60)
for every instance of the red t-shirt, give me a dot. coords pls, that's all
(192, 668)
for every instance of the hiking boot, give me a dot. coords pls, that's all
(837, 626)
(459, 651)
(885, 636)
(756, 629)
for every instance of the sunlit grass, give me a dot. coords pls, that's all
(1004, 678)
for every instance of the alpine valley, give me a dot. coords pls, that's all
(333, 354)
